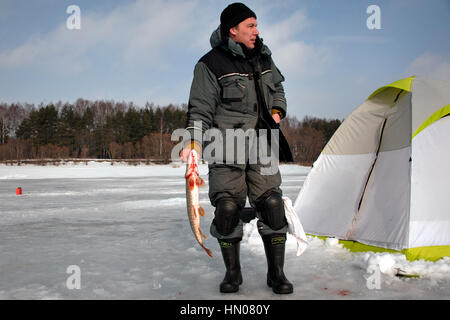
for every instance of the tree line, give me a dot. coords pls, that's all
(121, 130)
(308, 137)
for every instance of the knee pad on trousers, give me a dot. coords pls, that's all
(272, 211)
(226, 216)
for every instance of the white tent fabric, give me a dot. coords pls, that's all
(430, 192)
(383, 179)
(382, 219)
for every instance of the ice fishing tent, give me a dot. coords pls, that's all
(383, 179)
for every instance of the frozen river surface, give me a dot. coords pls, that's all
(121, 232)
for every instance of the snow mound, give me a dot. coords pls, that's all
(392, 264)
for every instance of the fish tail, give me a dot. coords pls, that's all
(208, 252)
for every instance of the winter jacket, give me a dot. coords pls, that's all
(235, 89)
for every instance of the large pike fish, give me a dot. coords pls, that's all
(194, 210)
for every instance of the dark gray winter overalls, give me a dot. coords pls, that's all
(234, 89)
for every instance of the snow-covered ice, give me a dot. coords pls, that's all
(125, 227)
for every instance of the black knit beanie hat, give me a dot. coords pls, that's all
(232, 15)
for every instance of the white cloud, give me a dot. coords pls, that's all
(55, 49)
(115, 50)
(431, 65)
(285, 29)
(138, 32)
(296, 58)
(141, 34)
(299, 59)
(362, 40)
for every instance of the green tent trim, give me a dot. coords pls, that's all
(433, 118)
(403, 84)
(430, 253)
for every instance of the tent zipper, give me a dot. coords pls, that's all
(373, 164)
(356, 218)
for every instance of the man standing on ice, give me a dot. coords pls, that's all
(237, 86)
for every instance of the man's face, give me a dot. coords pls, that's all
(245, 32)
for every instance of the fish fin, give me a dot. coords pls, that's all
(194, 211)
(191, 183)
(201, 211)
(202, 233)
(188, 172)
(201, 183)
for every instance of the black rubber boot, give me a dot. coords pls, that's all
(274, 245)
(233, 276)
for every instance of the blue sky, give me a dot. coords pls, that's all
(146, 50)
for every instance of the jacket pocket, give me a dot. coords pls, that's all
(232, 93)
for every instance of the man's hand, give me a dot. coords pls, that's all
(276, 117)
(185, 153)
